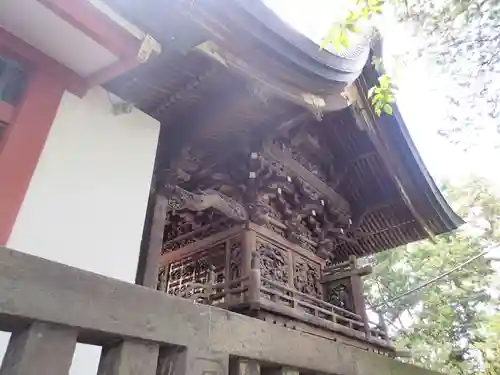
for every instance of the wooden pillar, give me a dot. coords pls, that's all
(40, 349)
(23, 142)
(254, 282)
(383, 327)
(248, 246)
(291, 269)
(129, 358)
(358, 299)
(150, 275)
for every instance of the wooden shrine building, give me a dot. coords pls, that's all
(273, 175)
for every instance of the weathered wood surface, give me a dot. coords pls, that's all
(155, 245)
(104, 309)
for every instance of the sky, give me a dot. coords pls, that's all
(421, 94)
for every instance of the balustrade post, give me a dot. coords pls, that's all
(254, 282)
(358, 296)
(284, 371)
(40, 349)
(191, 361)
(242, 366)
(383, 327)
(129, 358)
(248, 247)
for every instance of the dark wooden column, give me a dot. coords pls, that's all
(358, 299)
(150, 266)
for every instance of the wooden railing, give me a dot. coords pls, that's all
(218, 294)
(323, 310)
(50, 307)
(257, 292)
(249, 291)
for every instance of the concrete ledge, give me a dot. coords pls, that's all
(37, 289)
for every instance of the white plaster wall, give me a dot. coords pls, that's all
(86, 203)
(87, 199)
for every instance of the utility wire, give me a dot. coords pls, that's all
(428, 282)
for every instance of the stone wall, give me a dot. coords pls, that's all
(186, 338)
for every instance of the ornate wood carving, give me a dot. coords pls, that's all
(186, 227)
(279, 185)
(315, 186)
(235, 259)
(179, 199)
(339, 294)
(197, 269)
(273, 263)
(307, 277)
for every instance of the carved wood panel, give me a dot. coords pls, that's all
(273, 263)
(307, 276)
(186, 227)
(196, 269)
(235, 258)
(339, 294)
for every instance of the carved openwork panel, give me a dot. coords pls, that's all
(273, 263)
(307, 277)
(339, 294)
(235, 258)
(186, 227)
(310, 163)
(204, 267)
(276, 229)
(296, 209)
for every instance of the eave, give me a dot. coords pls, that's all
(414, 181)
(199, 89)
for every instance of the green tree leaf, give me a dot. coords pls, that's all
(388, 109)
(451, 326)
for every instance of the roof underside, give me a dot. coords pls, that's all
(207, 104)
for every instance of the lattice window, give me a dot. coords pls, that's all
(196, 269)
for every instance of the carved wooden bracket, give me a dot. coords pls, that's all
(178, 199)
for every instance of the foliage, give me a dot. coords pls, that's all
(490, 348)
(338, 36)
(382, 95)
(463, 38)
(452, 325)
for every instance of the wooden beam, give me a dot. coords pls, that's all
(114, 70)
(364, 271)
(30, 57)
(285, 158)
(94, 23)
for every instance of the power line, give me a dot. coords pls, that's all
(428, 282)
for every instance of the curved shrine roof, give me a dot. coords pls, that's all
(231, 72)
